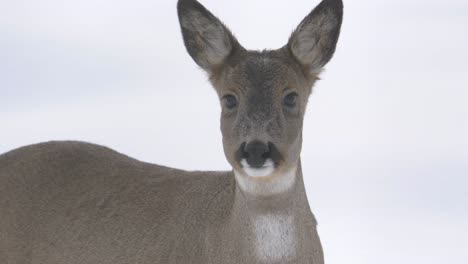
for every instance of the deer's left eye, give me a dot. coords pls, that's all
(290, 100)
(230, 101)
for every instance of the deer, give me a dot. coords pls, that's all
(76, 202)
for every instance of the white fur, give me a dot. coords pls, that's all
(275, 237)
(267, 169)
(274, 183)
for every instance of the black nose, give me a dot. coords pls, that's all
(256, 153)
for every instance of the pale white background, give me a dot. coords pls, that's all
(386, 149)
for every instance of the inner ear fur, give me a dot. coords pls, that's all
(313, 43)
(208, 41)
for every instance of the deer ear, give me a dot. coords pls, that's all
(207, 40)
(314, 41)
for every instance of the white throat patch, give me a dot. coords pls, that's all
(275, 237)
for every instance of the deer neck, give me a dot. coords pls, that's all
(272, 225)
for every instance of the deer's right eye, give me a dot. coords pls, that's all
(229, 101)
(290, 100)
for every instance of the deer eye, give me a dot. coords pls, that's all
(290, 100)
(229, 101)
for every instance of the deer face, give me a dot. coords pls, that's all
(263, 99)
(263, 94)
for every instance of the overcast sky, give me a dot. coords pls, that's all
(385, 140)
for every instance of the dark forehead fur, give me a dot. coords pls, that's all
(261, 69)
(268, 62)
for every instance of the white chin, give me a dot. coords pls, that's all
(266, 170)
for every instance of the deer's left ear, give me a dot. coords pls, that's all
(207, 40)
(314, 41)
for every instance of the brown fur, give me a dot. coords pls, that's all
(74, 202)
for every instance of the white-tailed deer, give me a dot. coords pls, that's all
(71, 202)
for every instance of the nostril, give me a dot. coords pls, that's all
(244, 153)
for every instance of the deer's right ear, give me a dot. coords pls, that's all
(207, 40)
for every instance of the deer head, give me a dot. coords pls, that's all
(263, 94)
